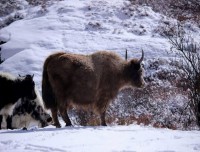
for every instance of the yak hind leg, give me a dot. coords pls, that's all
(64, 114)
(54, 112)
(103, 120)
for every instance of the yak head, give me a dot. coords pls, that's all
(135, 72)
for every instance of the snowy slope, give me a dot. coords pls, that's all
(84, 27)
(81, 27)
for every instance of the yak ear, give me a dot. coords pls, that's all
(142, 57)
(21, 76)
(32, 76)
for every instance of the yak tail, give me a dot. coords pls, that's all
(47, 91)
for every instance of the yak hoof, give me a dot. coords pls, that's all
(57, 125)
(69, 125)
(104, 124)
(24, 128)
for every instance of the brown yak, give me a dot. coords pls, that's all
(87, 81)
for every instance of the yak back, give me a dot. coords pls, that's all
(8, 89)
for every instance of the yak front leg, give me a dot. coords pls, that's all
(54, 112)
(64, 114)
(101, 109)
(9, 122)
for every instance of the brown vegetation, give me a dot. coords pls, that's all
(182, 10)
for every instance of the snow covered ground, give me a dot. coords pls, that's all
(84, 27)
(131, 138)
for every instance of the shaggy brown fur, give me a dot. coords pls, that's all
(90, 81)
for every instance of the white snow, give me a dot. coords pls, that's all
(84, 27)
(131, 138)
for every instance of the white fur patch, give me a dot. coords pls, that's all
(8, 76)
(25, 119)
(7, 110)
(4, 123)
(20, 121)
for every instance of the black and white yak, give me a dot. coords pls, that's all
(28, 113)
(12, 89)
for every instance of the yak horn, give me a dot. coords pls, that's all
(126, 55)
(141, 59)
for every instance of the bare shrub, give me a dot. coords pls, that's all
(188, 50)
(9, 6)
(42, 3)
(37, 2)
(10, 19)
(10, 9)
(161, 104)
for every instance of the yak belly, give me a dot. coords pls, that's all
(83, 92)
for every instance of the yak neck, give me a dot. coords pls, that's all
(126, 74)
(17, 87)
